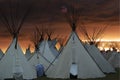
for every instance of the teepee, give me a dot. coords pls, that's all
(28, 53)
(52, 46)
(61, 42)
(14, 64)
(103, 64)
(74, 53)
(41, 53)
(51, 42)
(114, 60)
(39, 58)
(46, 51)
(43, 45)
(107, 54)
(1, 54)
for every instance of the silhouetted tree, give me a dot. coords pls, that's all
(93, 36)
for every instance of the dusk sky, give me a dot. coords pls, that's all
(48, 12)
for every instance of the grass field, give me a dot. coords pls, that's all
(115, 76)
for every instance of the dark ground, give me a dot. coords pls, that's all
(115, 76)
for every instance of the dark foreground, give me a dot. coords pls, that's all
(115, 76)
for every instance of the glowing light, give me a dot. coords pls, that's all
(106, 49)
(101, 48)
(57, 46)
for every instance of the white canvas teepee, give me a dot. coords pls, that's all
(37, 59)
(52, 42)
(114, 60)
(14, 62)
(52, 47)
(107, 54)
(103, 64)
(61, 47)
(74, 53)
(54, 51)
(1, 54)
(28, 54)
(45, 51)
(43, 56)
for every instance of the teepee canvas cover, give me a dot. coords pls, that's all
(52, 47)
(37, 59)
(1, 54)
(74, 53)
(114, 60)
(15, 62)
(43, 56)
(45, 51)
(103, 64)
(28, 54)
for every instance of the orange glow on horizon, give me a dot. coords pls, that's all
(24, 45)
(111, 34)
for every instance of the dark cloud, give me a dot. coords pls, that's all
(43, 9)
(50, 11)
